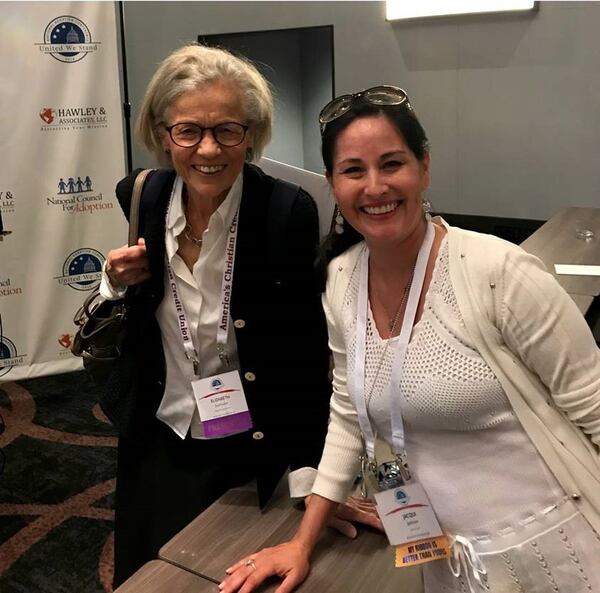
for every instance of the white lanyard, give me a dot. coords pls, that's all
(356, 383)
(223, 322)
(182, 323)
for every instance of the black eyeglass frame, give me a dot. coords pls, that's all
(203, 129)
(391, 95)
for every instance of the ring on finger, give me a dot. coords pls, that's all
(251, 562)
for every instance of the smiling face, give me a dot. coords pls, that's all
(378, 181)
(208, 169)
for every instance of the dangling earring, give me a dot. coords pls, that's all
(426, 205)
(339, 222)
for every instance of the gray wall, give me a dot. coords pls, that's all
(317, 90)
(297, 63)
(510, 103)
(278, 57)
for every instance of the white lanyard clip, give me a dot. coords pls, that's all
(223, 356)
(193, 357)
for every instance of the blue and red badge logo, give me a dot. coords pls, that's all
(216, 383)
(82, 269)
(67, 39)
(8, 352)
(401, 496)
(9, 357)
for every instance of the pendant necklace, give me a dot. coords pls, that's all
(392, 326)
(187, 232)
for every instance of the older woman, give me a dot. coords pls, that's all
(227, 259)
(466, 356)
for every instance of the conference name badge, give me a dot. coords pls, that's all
(411, 525)
(222, 404)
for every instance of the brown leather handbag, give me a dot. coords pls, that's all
(102, 324)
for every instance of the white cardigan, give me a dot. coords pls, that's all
(529, 332)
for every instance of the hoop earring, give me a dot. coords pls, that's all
(426, 205)
(338, 226)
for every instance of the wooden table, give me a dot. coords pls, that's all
(161, 577)
(233, 527)
(555, 242)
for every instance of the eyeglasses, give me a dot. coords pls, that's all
(377, 95)
(188, 135)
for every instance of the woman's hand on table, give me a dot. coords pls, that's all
(355, 510)
(290, 561)
(126, 266)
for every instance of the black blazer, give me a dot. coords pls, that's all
(282, 342)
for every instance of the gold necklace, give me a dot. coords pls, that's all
(187, 232)
(392, 323)
(394, 320)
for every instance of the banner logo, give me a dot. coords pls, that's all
(82, 117)
(67, 39)
(71, 186)
(65, 340)
(76, 195)
(82, 269)
(47, 114)
(9, 357)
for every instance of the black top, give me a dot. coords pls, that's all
(283, 341)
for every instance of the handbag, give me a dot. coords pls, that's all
(102, 324)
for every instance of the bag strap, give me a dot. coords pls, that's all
(85, 311)
(280, 210)
(134, 211)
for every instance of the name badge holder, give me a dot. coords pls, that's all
(220, 399)
(403, 506)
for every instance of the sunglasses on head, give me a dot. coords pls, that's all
(377, 95)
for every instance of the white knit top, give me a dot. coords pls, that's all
(461, 433)
(498, 336)
(533, 337)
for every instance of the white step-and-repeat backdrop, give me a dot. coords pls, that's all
(61, 154)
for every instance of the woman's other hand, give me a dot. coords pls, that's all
(290, 561)
(126, 266)
(356, 509)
